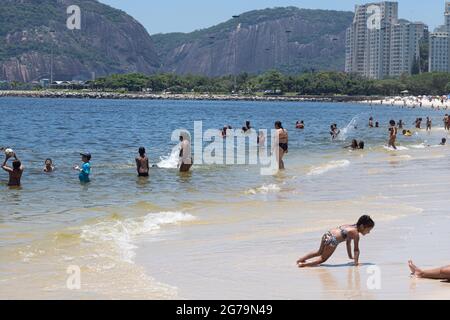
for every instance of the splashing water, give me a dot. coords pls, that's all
(170, 161)
(351, 126)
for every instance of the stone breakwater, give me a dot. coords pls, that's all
(152, 96)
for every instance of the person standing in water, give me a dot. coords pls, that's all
(392, 134)
(185, 162)
(15, 173)
(85, 169)
(331, 240)
(429, 123)
(142, 164)
(283, 146)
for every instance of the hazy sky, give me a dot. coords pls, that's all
(188, 15)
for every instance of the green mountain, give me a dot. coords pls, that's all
(110, 41)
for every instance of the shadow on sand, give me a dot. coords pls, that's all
(347, 265)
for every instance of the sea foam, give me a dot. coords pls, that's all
(122, 233)
(319, 170)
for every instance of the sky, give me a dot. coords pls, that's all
(163, 16)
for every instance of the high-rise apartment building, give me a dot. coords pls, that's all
(439, 60)
(379, 45)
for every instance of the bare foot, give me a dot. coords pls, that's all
(301, 261)
(301, 265)
(415, 271)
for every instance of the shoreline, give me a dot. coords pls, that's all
(412, 102)
(62, 94)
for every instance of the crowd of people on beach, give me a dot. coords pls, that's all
(330, 240)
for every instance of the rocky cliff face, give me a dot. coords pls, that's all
(109, 41)
(288, 39)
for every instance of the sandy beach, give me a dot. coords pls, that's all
(222, 232)
(438, 103)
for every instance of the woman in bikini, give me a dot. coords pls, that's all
(334, 237)
(283, 140)
(392, 134)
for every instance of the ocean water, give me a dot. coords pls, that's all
(126, 234)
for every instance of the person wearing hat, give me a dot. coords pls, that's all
(85, 169)
(185, 162)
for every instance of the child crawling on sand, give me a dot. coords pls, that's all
(334, 237)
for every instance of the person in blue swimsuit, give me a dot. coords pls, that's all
(85, 169)
(334, 237)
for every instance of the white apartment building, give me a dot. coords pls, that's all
(379, 45)
(439, 60)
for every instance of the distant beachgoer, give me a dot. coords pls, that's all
(15, 173)
(247, 127)
(436, 274)
(377, 124)
(334, 131)
(407, 133)
(371, 122)
(283, 143)
(225, 131)
(361, 145)
(334, 237)
(443, 142)
(85, 169)
(142, 163)
(446, 122)
(418, 123)
(261, 139)
(429, 123)
(49, 166)
(392, 135)
(300, 125)
(353, 146)
(185, 162)
(400, 124)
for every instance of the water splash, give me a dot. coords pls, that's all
(170, 161)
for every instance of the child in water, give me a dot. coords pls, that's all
(142, 165)
(85, 169)
(334, 237)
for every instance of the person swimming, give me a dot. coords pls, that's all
(331, 240)
(443, 142)
(142, 163)
(16, 172)
(361, 145)
(48, 166)
(353, 145)
(407, 133)
(300, 125)
(371, 122)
